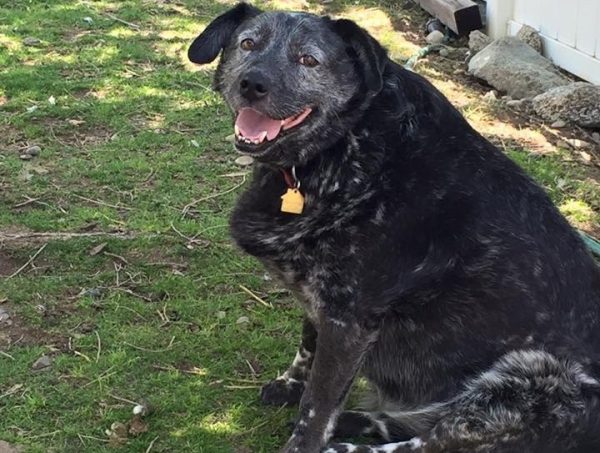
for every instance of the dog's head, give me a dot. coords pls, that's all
(296, 82)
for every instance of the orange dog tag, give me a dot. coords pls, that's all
(292, 202)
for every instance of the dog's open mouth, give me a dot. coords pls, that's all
(254, 128)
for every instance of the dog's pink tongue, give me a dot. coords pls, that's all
(252, 124)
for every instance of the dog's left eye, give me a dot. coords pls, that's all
(308, 60)
(247, 44)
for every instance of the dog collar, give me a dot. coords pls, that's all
(292, 201)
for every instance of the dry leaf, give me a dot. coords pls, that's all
(98, 249)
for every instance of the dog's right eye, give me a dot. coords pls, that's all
(247, 44)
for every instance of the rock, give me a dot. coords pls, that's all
(5, 447)
(243, 320)
(577, 103)
(596, 137)
(33, 150)
(42, 363)
(31, 42)
(558, 124)
(435, 37)
(478, 41)
(578, 144)
(515, 103)
(4, 321)
(221, 315)
(490, 96)
(444, 53)
(512, 66)
(244, 161)
(530, 35)
(25, 157)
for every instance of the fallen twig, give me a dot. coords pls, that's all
(118, 19)
(255, 297)
(104, 375)
(189, 206)
(19, 270)
(151, 444)
(6, 354)
(131, 293)
(102, 203)
(123, 400)
(168, 348)
(119, 257)
(65, 236)
(99, 346)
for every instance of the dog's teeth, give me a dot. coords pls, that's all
(236, 129)
(262, 137)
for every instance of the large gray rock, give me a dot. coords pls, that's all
(577, 103)
(530, 35)
(512, 66)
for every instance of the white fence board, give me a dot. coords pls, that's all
(587, 26)
(570, 30)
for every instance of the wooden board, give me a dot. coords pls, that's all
(461, 16)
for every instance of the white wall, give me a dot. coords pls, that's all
(570, 30)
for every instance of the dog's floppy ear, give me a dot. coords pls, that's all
(215, 37)
(368, 53)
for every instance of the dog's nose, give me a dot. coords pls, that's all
(254, 86)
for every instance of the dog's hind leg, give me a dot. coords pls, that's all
(389, 425)
(287, 389)
(414, 445)
(529, 401)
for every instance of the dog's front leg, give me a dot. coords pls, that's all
(341, 346)
(287, 389)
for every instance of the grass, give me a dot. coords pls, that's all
(153, 306)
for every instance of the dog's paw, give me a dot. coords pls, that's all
(282, 392)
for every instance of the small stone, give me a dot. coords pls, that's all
(243, 320)
(32, 42)
(514, 103)
(230, 138)
(478, 41)
(88, 20)
(562, 144)
(244, 161)
(435, 37)
(143, 408)
(596, 137)
(506, 98)
(578, 144)
(444, 53)
(33, 150)
(530, 36)
(221, 315)
(4, 317)
(42, 363)
(585, 156)
(559, 124)
(5, 447)
(490, 96)
(25, 157)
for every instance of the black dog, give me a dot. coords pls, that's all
(424, 258)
